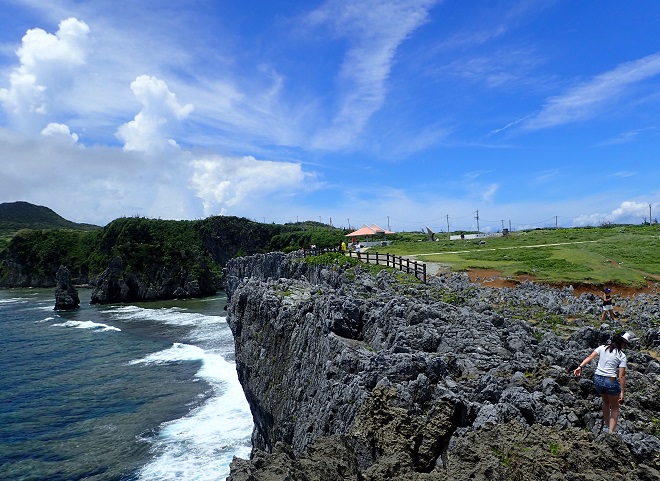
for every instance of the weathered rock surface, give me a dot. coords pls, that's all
(356, 377)
(117, 284)
(66, 296)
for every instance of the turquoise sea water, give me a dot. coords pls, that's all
(125, 392)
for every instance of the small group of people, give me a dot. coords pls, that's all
(353, 245)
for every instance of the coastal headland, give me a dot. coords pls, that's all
(352, 375)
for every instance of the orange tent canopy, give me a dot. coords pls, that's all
(372, 229)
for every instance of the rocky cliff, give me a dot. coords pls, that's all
(355, 376)
(117, 284)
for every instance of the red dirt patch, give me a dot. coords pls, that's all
(494, 278)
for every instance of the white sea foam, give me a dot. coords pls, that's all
(87, 325)
(200, 446)
(15, 300)
(173, 316)
(212, 331)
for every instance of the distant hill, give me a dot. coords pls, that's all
(15, 216)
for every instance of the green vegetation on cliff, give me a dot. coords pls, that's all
(31, 256)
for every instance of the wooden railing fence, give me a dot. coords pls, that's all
(418, 269)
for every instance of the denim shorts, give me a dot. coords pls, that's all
(606, 385)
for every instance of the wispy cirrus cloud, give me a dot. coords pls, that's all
(586, 100)
(374, 31)
(624, 137)
(547, 175)
(622, 174)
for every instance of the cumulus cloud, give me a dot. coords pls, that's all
(151, 128)
(60, 131)
(629, 212)
(225, 182)
(47, 65)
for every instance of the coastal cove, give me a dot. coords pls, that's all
(118, 392)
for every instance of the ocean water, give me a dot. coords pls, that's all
(144, 392)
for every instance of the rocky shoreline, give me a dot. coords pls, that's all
(356, 376)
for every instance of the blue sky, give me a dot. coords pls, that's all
(406, 114)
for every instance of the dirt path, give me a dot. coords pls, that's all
(503, 248)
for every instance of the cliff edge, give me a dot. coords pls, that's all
(356, 376)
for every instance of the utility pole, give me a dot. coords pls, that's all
(477, 217)
(556, 223)
(447, 224)
(509, 225)
(502, 225)
(388, 222)
(349, 223)
(650, 214)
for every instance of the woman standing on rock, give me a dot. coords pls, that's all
(608, 305)
(610, 360)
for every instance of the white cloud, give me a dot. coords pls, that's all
(629, 212)
(47, 66)
(586, 100)
(489, 192)
(625, 137)
(94, 184)
(60, 131)
(225, 182)
(149, 130)
(547, 175)
(374, 30)
(622, 174)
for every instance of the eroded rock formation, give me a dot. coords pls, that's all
(118, 284)
(351, 376)
(66, 295)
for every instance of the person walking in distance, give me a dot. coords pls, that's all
(608, 305)
(612, 361)
(357, 250)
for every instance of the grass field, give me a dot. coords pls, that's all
(620, 255)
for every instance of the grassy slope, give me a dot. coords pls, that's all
(624, 255)
(15, 216)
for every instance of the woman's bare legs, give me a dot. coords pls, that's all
(606, 409)
(610, 411)
(614, 411)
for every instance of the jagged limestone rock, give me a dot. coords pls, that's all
(445, 381)
(66, 296)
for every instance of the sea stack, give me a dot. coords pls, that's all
(66, 296)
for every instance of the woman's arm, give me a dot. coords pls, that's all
(622, 382)
(586, 361)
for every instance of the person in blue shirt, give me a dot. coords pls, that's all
(612, 361)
